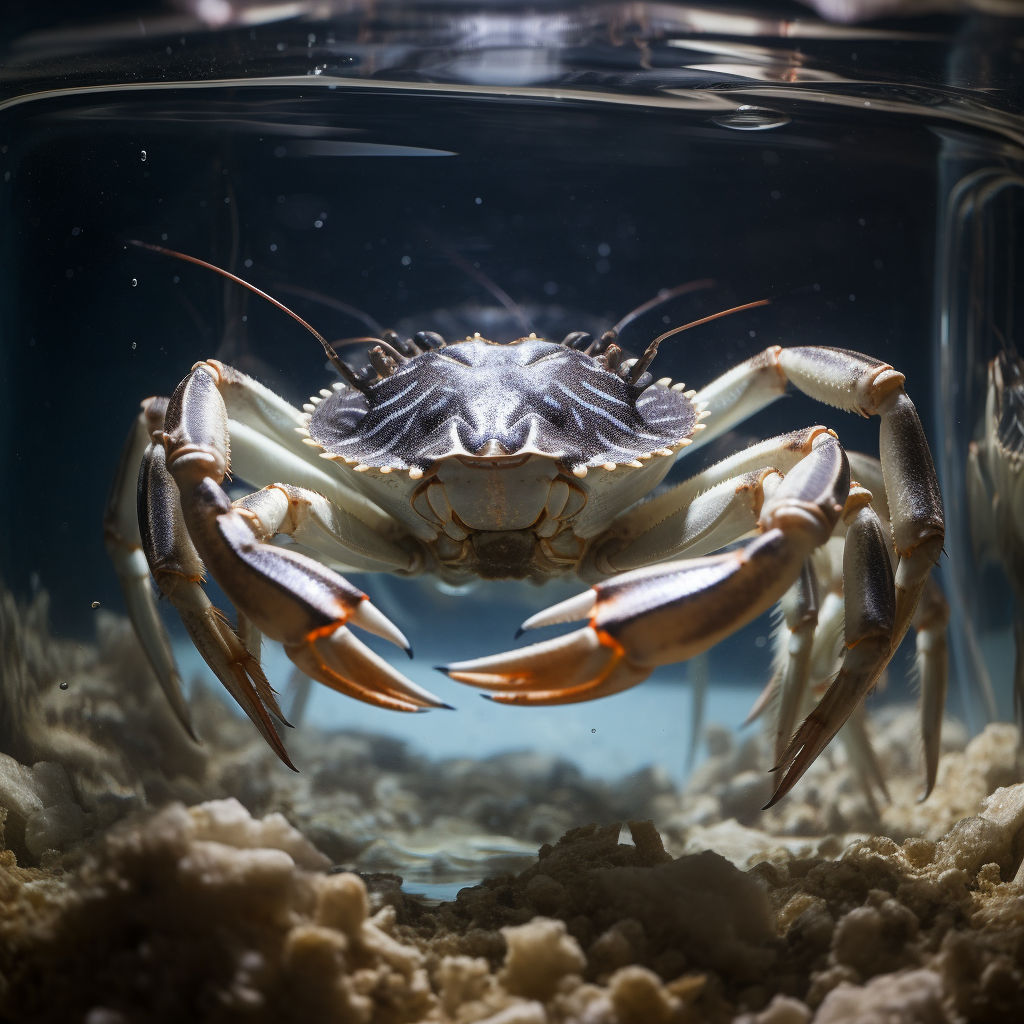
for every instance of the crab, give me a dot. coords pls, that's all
(530, 460)
(995, 488)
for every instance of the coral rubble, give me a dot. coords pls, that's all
(207, 914)
(145, 878)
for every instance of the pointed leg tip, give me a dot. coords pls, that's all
(443, 669)
(408, 651)
(446, 707)
(487, 696)
(519, 632)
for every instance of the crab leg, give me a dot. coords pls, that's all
(861, 384)
(178, 571)
(800, 609)
(930, 621)
(870, 603)
(124, 546)
(286, 595)
(716, 507)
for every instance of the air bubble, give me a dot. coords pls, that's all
(751, 119)
(133, 346)
(94, 605)
(406, 260)
(593, 730)
(143, 156)
(135, 282)
(63, 685)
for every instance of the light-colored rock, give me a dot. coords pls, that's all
(227, 821)
(914, 997)
(540, 954)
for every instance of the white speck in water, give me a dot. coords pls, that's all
(76, 231)
(867, 103)
(311, 38)
(94, 605)
(550, 288)
(273, 247)
(280, 47)
(143, 156)
(135, 282)
(478, 200)
(406, 260)
(248, 263)
(245, 319)
(666, 319)
(752, 334)
(227, 199)
(853, 298)
(168, 49)
(318, 223)
(604, 249)
(760, 641)
(7, 175)
(176, 279)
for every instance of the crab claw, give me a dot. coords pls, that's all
(300, 603)
(639, 620)
(580, 666)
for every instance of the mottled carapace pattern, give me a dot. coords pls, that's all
(479, 398)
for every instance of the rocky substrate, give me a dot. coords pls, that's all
(209, 915)
(147, 878)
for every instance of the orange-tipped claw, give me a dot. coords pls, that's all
(580, 666)
(334, 657)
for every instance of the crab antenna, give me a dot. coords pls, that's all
(344, 369)
(652, 350)
(664, 296)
